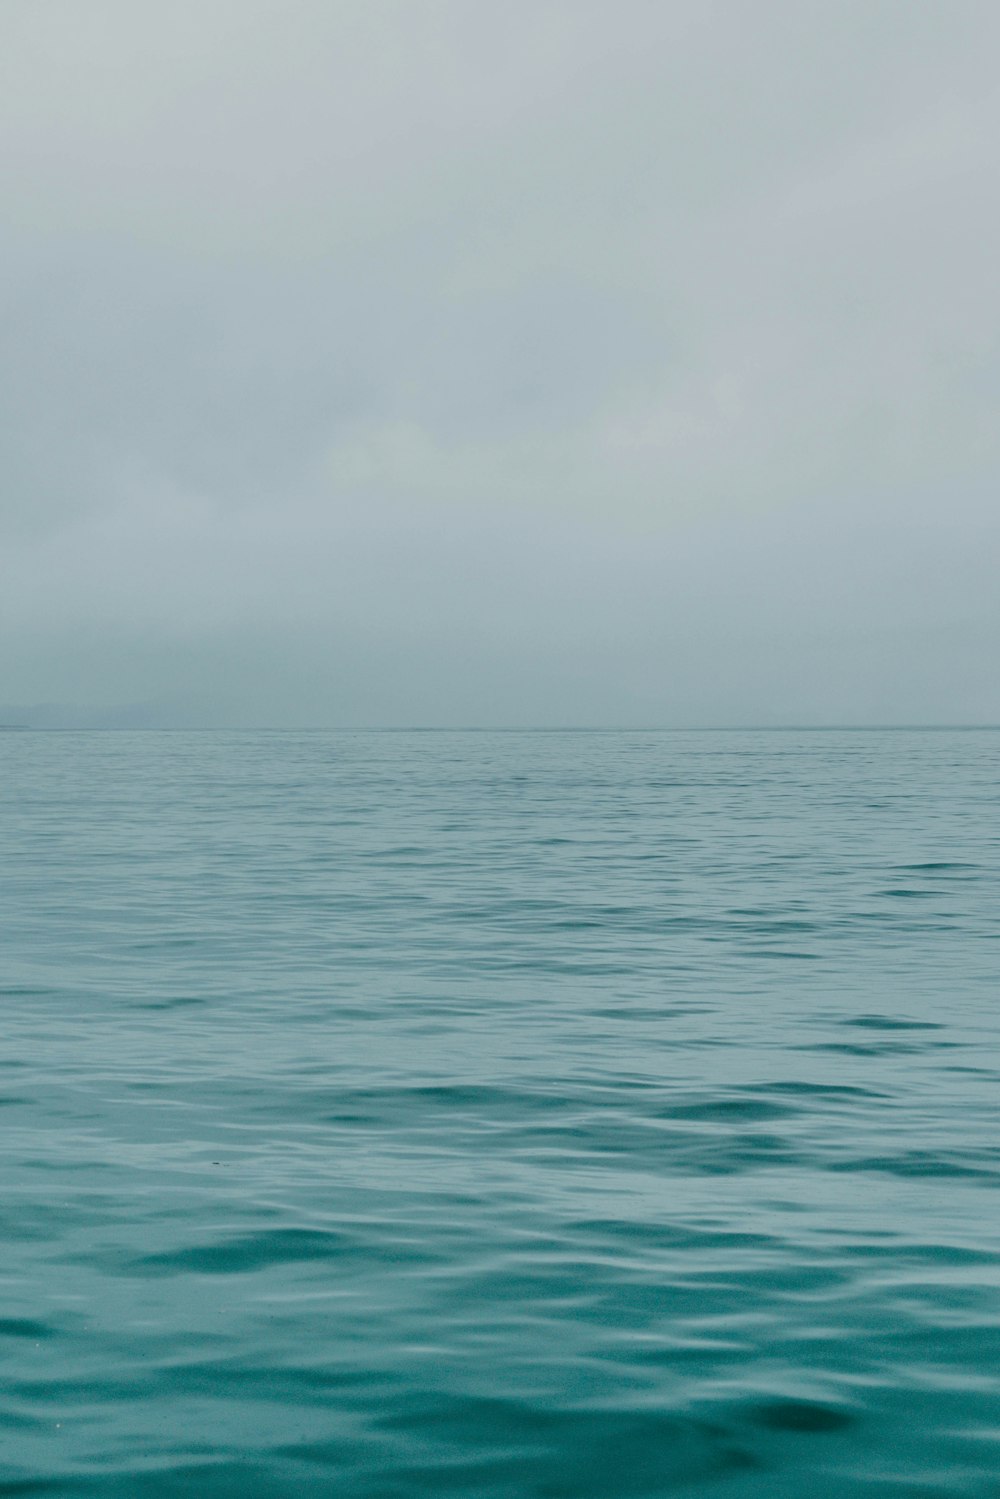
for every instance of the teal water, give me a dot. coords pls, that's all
(495, 1115)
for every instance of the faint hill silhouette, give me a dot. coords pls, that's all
(78, 716)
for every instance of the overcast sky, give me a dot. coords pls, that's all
(545, 362)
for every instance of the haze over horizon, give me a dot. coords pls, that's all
(463, 365)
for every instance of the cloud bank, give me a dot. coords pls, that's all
(552, 363)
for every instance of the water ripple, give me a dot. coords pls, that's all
(556, 1116)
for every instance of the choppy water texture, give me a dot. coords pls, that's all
(543, 1115)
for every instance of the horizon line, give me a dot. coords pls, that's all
(734, 728)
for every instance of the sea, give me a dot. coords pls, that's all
(511, 1115)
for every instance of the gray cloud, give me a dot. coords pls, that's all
(461, 363)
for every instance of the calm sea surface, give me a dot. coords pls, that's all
(570, 1115)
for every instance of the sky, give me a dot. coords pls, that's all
(442, 362)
